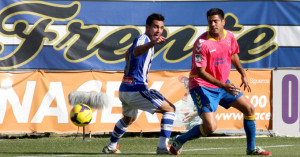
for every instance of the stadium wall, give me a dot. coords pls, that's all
(50, 48)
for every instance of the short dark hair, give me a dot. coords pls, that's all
(154, 16)
(215, 11)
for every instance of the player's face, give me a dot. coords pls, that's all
(215, 24)
(155, 30)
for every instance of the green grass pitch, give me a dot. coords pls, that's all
(144, 147)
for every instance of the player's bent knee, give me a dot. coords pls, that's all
(129, 120)
(166, 107)
(250, 110)
(172, 107)
(208, 129)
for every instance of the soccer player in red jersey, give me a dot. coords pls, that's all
(213, 53)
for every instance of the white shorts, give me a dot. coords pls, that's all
(147, 100)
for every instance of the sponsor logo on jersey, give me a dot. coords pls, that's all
(198, 58)
(141, 40)
(212, 50)
(128, 80)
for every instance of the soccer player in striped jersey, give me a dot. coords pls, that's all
(134, 93)
(213, 53)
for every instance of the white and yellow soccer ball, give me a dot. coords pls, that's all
(81, 115)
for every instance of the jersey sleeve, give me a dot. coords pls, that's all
(234, 46)
(143, 39)
(200, 55)
(133, 44)
(139, 40)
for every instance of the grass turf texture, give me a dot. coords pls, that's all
(136, 146)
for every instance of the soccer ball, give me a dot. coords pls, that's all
(81, 115)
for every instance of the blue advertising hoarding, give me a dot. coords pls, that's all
(94, 35)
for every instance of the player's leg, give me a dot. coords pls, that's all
(152, 101)
(129, 116)
(244, 105)
(206, 103)
(119, 130)
(202, 130)
(168, 111)
(209, 126)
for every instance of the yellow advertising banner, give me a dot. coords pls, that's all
(38, 101)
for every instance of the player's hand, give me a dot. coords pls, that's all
(160, 40)
(245, 84)
(188, 116)
(232, 89)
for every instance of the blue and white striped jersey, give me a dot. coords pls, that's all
(137, 68)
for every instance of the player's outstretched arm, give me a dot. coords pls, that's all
(140, 50)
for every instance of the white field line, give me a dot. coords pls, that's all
(234, 148)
